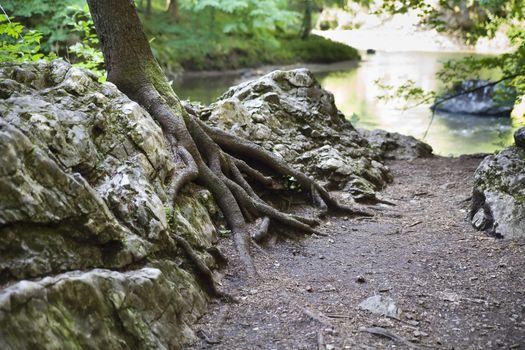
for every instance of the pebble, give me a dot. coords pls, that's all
(360, 279)
(420, 334)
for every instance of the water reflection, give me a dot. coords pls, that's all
(356, 92)
(356, 95)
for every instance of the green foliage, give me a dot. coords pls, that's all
(169, 215)
(408, 91)
(251, 17)
(291, 184)
(354, 118)
(471, 20)
(223, 231)
(85, 52)
(206, 34)
(45, 16)
(17, 43)
(23, 45)
(320, 50)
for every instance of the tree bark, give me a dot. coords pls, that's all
(307, 19)
(173, 10)
(133, 69)
(128, 56)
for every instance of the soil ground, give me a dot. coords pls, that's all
(456, 288)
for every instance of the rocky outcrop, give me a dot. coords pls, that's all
(288, 113)
(498, 201)
(481, 101)
(87, 259)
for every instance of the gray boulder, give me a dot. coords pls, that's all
(396, 146)
(87, 259)
(289, 114)
(498, 201)
(481, 102)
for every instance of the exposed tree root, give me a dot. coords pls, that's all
(262, 231)
(223, 163)
(186, 175)
(202, 271)
(212, 159)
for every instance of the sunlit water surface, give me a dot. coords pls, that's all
(356, 92)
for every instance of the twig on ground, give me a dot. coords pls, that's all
(380, 331)
(320, 340)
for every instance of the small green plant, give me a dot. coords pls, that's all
(292, 184)
(354, 119)
(224, 232)
(18, 44)
(169, 215)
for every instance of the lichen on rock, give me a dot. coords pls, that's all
(86, 254)
(288, 113)
(498, 201)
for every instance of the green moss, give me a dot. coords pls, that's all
(169, 215)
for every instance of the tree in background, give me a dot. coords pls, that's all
(307, 19)
(173, 9)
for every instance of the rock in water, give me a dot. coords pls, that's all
(481, 102)
(498, 201)
(519, 138)
(86, 257)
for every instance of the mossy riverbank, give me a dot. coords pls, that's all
(227, 53)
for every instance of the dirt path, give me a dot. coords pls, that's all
(456, 288)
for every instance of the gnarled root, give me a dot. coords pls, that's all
(217, 159)
(202, 271)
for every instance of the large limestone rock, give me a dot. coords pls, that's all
(289, 114)
(86, 254)
(498, 202)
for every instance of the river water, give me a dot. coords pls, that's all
(355, 91)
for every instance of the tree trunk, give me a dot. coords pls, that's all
(129, 60)
(307, 19)
(148, 7)
(173, 10)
